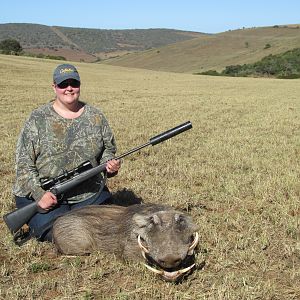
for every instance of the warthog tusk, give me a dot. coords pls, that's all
(182, 271)
(194, 244)
(144, 249)
(159, 272)
(169, 275)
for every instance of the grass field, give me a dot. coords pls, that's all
(236, 172)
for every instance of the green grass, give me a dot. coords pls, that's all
(236, 172)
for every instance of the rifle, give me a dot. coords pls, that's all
(68, 180)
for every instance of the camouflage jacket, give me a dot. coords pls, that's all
(50, 144)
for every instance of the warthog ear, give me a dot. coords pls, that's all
(146, 220)
(155, 220)
(184, 221)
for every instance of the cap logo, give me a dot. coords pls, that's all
(66, 70)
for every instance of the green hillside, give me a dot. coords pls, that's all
(215, 51)
(32, 35)
(95, 40)
(92, 41)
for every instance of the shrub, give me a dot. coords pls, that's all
(10, 46)
(232, 70)
(209, 72)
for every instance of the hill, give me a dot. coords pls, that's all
(156, 49)
(83, 44)
(215, 51)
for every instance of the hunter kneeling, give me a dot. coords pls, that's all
(59, 136)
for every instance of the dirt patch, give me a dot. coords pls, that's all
(68, 54)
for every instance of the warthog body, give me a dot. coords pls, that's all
(163, 236)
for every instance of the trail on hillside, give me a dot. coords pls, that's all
(64, 37)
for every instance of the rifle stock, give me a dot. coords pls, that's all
(17, 218)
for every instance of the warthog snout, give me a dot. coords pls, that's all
(169, 261)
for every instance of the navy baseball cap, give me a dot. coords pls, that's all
(64, 72)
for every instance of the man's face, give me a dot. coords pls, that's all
(68, 91)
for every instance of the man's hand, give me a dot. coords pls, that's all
(48, 201)
(113, 166)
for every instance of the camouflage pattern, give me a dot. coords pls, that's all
(50, 144)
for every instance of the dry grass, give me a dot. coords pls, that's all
(236, 172)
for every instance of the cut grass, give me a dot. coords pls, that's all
(236, 172)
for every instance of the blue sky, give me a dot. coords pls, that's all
(203, 16)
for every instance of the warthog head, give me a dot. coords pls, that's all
(163, 238)
(167, 240)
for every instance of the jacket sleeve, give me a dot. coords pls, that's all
(109, 142)
(27, 176)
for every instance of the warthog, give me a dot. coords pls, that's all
(163, 237)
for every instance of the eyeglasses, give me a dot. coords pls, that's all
(69, 82)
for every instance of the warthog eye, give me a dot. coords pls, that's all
(180, 221)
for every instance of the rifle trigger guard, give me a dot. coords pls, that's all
(61, 196)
